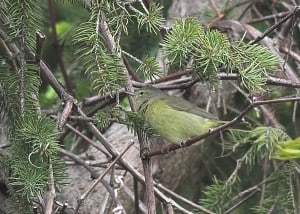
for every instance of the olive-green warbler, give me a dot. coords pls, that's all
(174, 118)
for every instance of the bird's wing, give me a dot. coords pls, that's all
(188, 107)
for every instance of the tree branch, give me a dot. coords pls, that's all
(194, 140)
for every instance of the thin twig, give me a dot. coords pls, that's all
(263, 188)
(169, 208)
(51, 194)
(136, 195)
(249, 190)
(147, 163)
(218, 12)
(93, 185)
(40, 39)
(240, 202)
(270, 17)
(132, 57)
(81, 162)
(133, 9)
(179, 197)
(171, 201)
(65, 114)
(232, 178)
(168, 83)
(267, 32)
(88, 140)
(56, 46)
(144, 6)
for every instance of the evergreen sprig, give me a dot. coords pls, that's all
(106, 116)
(32, 137)
(278, 194)
(211, 52)
(218, 196)
(103, 68)
(8, 92)
(23, 20)
(29, 181)
(254, 64)
(117, 15)
(138, 125)
(263, 141)
(149, 68)
(33, 147)
(151, 20)
(181, 40)
(40, 133)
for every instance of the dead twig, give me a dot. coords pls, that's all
(94, 184)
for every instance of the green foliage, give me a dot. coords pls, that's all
(83, 88)
(152, 20)
(218, 196)
(8, 92)
(32, 137)
(29, 181)
(137, 124)
(132, 120)
(11, 85)
(40, 132)
(33, 148)
(287, 150)
(48, 98)
(101, 65)
(179, 42)
(117, 15)
(211, 53)
(262, 142)
(103, 69)
(278, 195)
(79, 2)
(149, 68)
(254, 64)
(104, 118)
(31, 85)
(24, 19)
(62, 28)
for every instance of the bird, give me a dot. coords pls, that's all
(173, 118)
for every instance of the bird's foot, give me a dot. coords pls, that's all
(183, 144)
(168, 152)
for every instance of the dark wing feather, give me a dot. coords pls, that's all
(188, 107)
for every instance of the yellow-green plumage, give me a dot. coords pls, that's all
(173, 118)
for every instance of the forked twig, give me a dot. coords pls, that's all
(94, 184)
